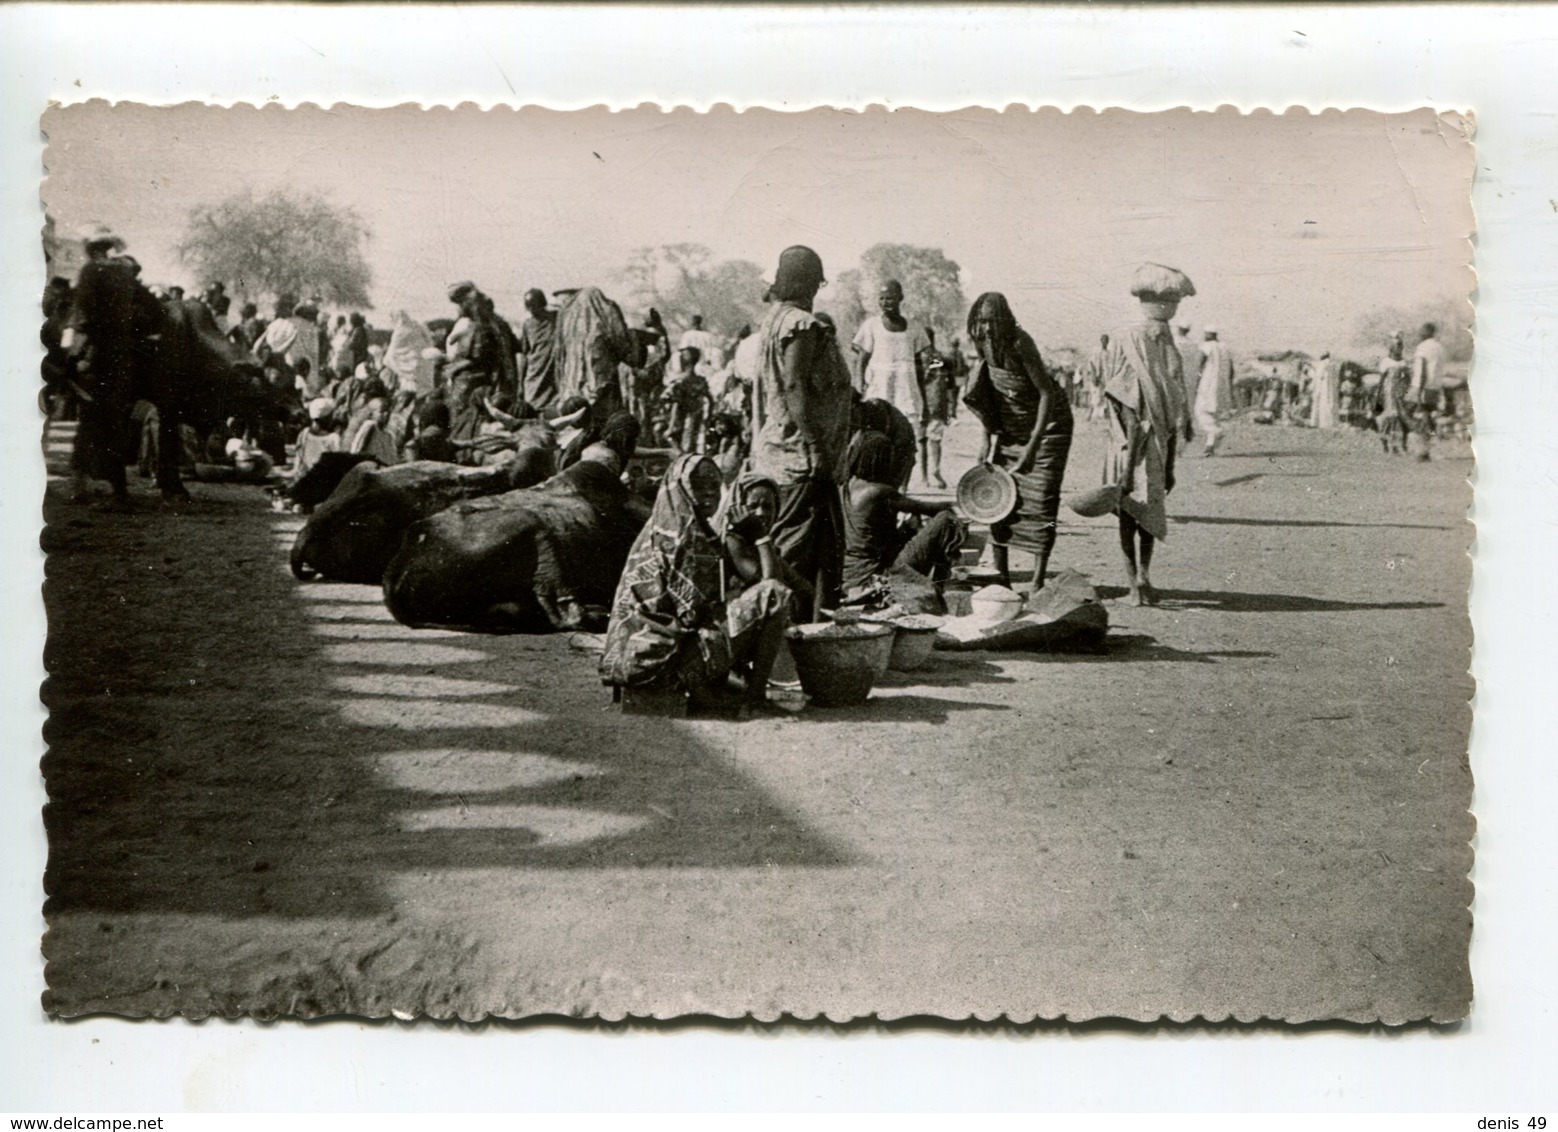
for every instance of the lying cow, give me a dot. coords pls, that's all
(352, 535)
(529, 561)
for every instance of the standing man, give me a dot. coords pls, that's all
(1427, 387)
(890, 360)
(936, 396)
(1145, 393)
(1322, 390)
(537, 347)
(713, 358)
(1191, 359)
(109, 320)
(800, 419)
(217, 302)
(1214, 392)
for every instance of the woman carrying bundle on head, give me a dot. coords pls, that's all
(678, 624)
(1028, 424)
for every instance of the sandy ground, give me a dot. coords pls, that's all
(267, 797)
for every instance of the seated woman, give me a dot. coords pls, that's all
(319, 437)
(368, 436)
(874, 542)
(672, 627)
(755, 493)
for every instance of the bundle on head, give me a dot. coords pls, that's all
(1153, 282)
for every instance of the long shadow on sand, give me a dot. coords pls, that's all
(1230, 601)
(1223, 521)
(227, 742)
(894, 709)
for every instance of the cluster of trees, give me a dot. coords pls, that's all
(1452, 318)
(681, 280)
(932, 289)
(280, 243)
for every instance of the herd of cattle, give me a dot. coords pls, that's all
(505, 549)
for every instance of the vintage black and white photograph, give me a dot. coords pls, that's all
(514, 562)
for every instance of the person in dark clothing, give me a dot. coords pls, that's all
(433, 426)
(356, 342)
(248, 329)
(1028, 425)
(537, 350)
(58, 368)
(111, 319)
(800, 422)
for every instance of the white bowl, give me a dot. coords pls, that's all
(995, 603)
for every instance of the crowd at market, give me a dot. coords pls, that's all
(791, 453)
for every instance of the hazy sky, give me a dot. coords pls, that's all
(1291, 226)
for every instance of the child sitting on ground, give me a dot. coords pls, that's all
(319, 437)
(874, 542)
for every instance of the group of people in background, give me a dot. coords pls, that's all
(792, 459)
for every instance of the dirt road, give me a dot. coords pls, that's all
(270, 798)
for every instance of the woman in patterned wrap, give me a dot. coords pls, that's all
(1028, 424)
(672, 627)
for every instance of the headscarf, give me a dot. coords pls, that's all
(407, 356)
(740, 493)
(798, 277)
(668, 600)
(593, 337)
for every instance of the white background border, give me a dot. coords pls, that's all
(1498, 62)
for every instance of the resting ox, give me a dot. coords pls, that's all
(354, 533)
(529, 561)
(357, 530)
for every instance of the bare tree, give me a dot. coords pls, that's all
(280, 243)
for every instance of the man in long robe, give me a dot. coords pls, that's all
(538, 351)
(1144, 384)
(1214, 394)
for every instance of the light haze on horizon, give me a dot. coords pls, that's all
(1291, 226)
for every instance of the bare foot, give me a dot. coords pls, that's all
(1135, 595)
